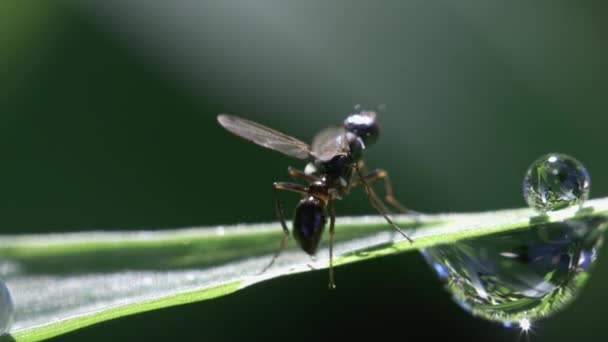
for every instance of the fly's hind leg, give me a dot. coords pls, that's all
(281, 215)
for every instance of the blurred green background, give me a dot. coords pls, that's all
(108, 122)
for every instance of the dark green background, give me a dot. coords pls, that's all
(108, 122)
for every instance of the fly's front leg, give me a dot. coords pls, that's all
(388, 188)
(378, 205)
(281, 215)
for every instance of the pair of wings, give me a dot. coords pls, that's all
(326, 144)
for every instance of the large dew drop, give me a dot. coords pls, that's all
(520, 276)
(6, 308)
(556, 181)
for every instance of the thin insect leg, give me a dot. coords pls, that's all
(377, 204)
(295, 173)
(281, 215)
(388, 196)
(360, 181)
(332, 222)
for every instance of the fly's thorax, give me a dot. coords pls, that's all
(309, 223)
(339, 165)
(336, 174)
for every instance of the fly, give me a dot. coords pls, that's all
(335, 167)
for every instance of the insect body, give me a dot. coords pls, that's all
(335, 167)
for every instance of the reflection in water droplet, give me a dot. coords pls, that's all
(521, 276)
(6, 308)
(556, 181)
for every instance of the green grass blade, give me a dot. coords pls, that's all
(63, 282)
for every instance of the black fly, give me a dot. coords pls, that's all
(335, 167)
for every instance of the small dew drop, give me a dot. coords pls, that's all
(525, 325)
(517, 278)
(6, 308)
(556, 181)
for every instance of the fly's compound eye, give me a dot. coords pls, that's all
(364, 126)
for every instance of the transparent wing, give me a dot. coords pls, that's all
(264, 136)
(330, 142)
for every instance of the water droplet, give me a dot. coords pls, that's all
(6, 308)
(556, 181)
(525, 325)
(520, 276)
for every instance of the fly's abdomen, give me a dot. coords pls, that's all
(309, 223)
